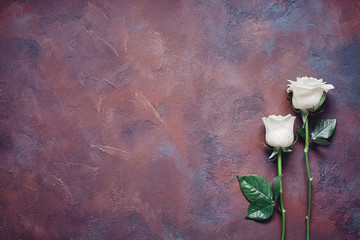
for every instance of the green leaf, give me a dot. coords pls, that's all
(260, 210)
(276, 186)
(301, 131)
(321, 142)
(324, 129)
(259, 193)
(255, 188)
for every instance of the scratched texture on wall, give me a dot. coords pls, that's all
(131, 119)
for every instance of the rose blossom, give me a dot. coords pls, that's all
(307, 92)
(279, 130)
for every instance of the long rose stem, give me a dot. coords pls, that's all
(281, 197)
(306, 150)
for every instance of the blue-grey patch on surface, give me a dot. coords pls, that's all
(25, 159)
(314, 57)
(132, 131)
(328, 179)
(276, 68)
(35, 139)
(284, 15)
(356, 221)
(247, 108)
(264, 10)
(349, 223)
(168, 151)
(134, 226)
(162, 112)
(212, 149)
(344, 60)
(30, 45)
(269, 47)
(322, 64)
(206, 206)
(23, 19)
(6, 142)
(167, 148)
(14, 47)
(176, 236)
(207, 172)
(350, 69)
(122, 77)
(53, 21)
(4, 224)
(98, 233)
(294, 18)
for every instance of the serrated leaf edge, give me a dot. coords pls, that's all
(242, 179)
(313, 137)
(272, 205)
(322, 139)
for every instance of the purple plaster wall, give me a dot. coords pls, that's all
(131, 119)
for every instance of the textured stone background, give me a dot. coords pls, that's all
(131, 119)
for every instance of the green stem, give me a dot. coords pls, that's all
(281, 196)
(306, 150)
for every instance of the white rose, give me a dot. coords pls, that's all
(307, 92)
(279, 130)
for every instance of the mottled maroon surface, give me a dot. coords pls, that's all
(131, 119)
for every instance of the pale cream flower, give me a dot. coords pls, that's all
(307, 92)
(279, 130)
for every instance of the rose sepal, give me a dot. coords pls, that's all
(304, 116)
(287, 149)
(322, 100)
(274, 151)
(312, 111)
(266, 146)
(316, 113)
(295, 109)
(273, 154)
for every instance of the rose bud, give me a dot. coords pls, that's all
(279, 130)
